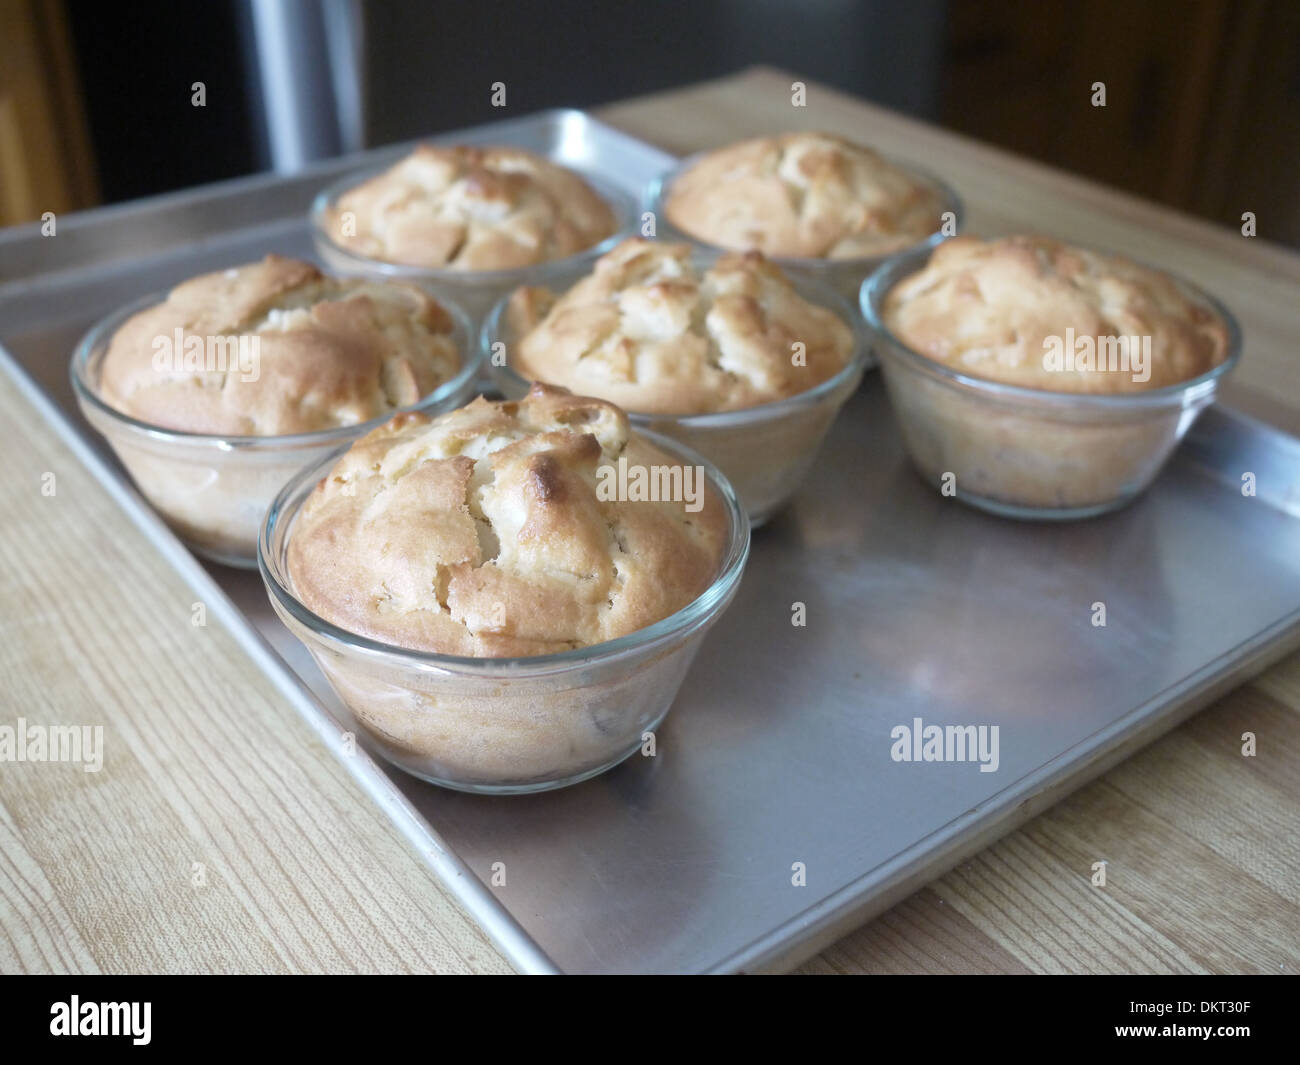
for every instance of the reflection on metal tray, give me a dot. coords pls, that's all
(777, 756)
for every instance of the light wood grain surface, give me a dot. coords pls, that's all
(206, 768)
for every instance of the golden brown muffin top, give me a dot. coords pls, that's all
(274, 348)
(466, 208)
(484, 532)
(656, 333)
(804, 195)
(1005, 309)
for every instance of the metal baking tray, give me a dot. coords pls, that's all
(772, 818)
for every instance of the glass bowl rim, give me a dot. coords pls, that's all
(624, 204)
(288, 503)
(876, 288)
(101, 333)
(659, 187)
(813, 290)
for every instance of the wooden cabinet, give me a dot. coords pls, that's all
(45, 157)
(1202, 97)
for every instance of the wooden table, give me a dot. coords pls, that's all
(222, 835)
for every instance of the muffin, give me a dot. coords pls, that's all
(996, 308)
(803, 195)
(470, 209)
(724, 353)
(494, 613)
(1041, 379)
(327, 352)
(215, 393)
(483, 532)
(655, 332)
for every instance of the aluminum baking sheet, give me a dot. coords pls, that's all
(773, 816)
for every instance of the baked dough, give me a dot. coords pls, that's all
(466, 208)
(656, 332)
(804, 195)
(328, 352)
(482, 532)
(996, 308)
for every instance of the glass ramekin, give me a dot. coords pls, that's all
(214, 490)
(476, 291)
(1024, 452)
(845, 276)
(765, 451)
(505, 725)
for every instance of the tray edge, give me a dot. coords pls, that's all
(457, 878)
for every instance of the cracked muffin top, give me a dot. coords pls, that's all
(803, 195)
(466, 208)
(658, 333)
(996, 308)
(276, 347)
(484, 532)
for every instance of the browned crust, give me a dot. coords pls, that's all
(990, 308)
(469, 208)
(803, 195)
(482, 533)
(651, 332)
(328, 352)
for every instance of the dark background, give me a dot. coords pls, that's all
(1203, 95)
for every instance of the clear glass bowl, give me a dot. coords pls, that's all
(214, 490)
(765, 451)
(476, 291)
(504, 725)
(845, 276)
(1025, 452)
